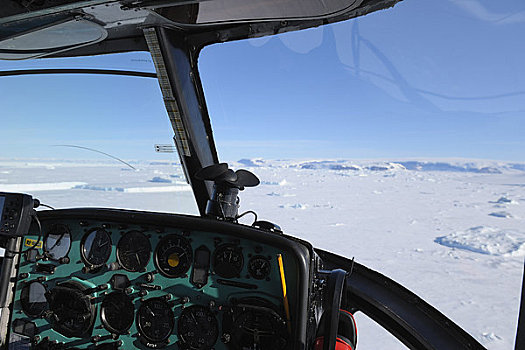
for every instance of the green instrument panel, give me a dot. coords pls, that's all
(113, 285)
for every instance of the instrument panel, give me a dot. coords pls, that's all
(109, 284)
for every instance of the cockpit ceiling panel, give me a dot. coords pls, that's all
(222, 11)
(207, 21)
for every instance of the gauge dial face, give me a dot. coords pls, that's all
(57, 242)
(72, 311)
(134, 251)
(117, 312)
(96, 247)
(228, 261)
(155, 320)
(33, 299)
(259, 267)
(255, 329)
(173, 256)
(198, 328)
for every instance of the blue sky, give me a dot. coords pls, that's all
(424, 79)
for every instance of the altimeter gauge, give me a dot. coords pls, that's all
(198, 328)
(155, 320)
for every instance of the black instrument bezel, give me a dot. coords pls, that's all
(234, 272)
(23, 304)
(119, 249)
(83, 242)
(46, 251)
(163, 241)
(139, 323)
(103, 312)
(191, 309)
(252, 260)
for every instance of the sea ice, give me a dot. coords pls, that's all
(486, 240)
(501, 214)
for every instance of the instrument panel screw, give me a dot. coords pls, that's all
(95, 338)
(150, 277)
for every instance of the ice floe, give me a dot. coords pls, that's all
(501, 214)
(160, 179)
(35, 187)
(486, 240)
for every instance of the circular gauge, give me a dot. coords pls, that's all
(228, 261)
(96, 247)
(72, 312)
(258, 329)
(33, 299)
(57, 242)
(198, 328)
(259, 267)
(133, 251)
(155, 320)
(117, 312)
(173, 256)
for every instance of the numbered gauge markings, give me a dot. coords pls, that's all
(173, 256)
(155, 320)
(133, 251)
(96, 247)
(198, 328)
(228, 260)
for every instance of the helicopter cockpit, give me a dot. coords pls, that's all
(99, 278)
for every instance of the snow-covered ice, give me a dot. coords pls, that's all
(486, 240)
(428, 224)
(501, 214)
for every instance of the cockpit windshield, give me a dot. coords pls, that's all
(395, 138)
(90, 139)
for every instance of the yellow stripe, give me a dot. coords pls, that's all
(31, 242)
(285, 295)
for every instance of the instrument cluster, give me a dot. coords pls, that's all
(111, 285)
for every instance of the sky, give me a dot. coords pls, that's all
(425, 79)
